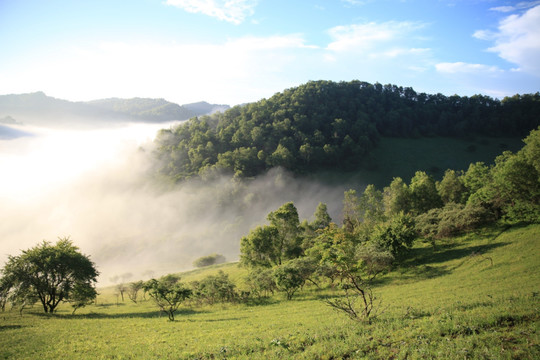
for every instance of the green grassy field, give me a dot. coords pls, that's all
(403, 157)
(445, 302)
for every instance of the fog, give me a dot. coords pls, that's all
(95, 187)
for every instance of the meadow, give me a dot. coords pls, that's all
(476, 296)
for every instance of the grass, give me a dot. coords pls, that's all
(445, 302)
(403, 157)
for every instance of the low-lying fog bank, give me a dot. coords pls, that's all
(93, 186)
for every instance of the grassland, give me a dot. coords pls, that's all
(472, 297)
(403, 157)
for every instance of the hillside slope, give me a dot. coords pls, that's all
(470, 297)
(324, 125)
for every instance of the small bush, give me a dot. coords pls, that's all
(208, 260)
(452, 219)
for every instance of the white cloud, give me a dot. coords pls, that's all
(234, 11)
(503, 9)
(518, 6)
(370, 36)
(236, 71)
(461, 67)
(517, 40)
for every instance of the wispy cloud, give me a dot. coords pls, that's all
(369, 36)
(234, 11)
(517, 40)
(462, 67)
(519, 6)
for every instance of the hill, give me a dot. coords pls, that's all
(332, 126)
(445, 302)
(204, 108)
(152, 110)
(40, 109)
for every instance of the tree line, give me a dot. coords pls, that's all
(325, 124)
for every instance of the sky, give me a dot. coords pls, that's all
(238, 51)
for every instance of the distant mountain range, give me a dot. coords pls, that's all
(40, 109)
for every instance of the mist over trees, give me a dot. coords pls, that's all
(329, 125)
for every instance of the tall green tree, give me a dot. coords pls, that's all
(451, 188)
(285, 219)
(260, 248)
(322, 218)
(52, 274)
(424, 195)
(397, 197)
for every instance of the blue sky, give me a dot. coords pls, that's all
(236, 51)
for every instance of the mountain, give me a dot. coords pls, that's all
(153, 110)
(204, 108)
(7, 133)
(42, 110)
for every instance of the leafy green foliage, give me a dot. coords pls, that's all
(356, 264)
(51, 274)
(270, 245)
(322, 218)
(133, 290)
(168, 293)
(258, 248)
(289, 277)
(81, 296)
(208, 260)
(323, 124)
(395, 235)
(451, 220)
(261, 282)
(215, 288)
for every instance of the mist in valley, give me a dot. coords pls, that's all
(95, 186)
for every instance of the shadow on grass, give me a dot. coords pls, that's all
(9, 327)
(144, 315)
(262, 301)
(446, 252)
(421, 263)
(225, 319)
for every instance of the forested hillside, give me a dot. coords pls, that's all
(329, 125)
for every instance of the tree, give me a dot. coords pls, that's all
(209, 260)
(351, 210)
(289, 277)
(531, 151)
(286, 221)
(395, 235)
(133, 290)
(53, 273)
(424, 195)
(82, 296)
(215, 288)
(451, 188)
(371, 205)
(261, 282)
(396, 197)
(258, 248)
(168, 293)
(273, 244)
(322, 219)
(356, 264)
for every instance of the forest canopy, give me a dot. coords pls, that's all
(331, 125)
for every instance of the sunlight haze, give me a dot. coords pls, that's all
(242, 51)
